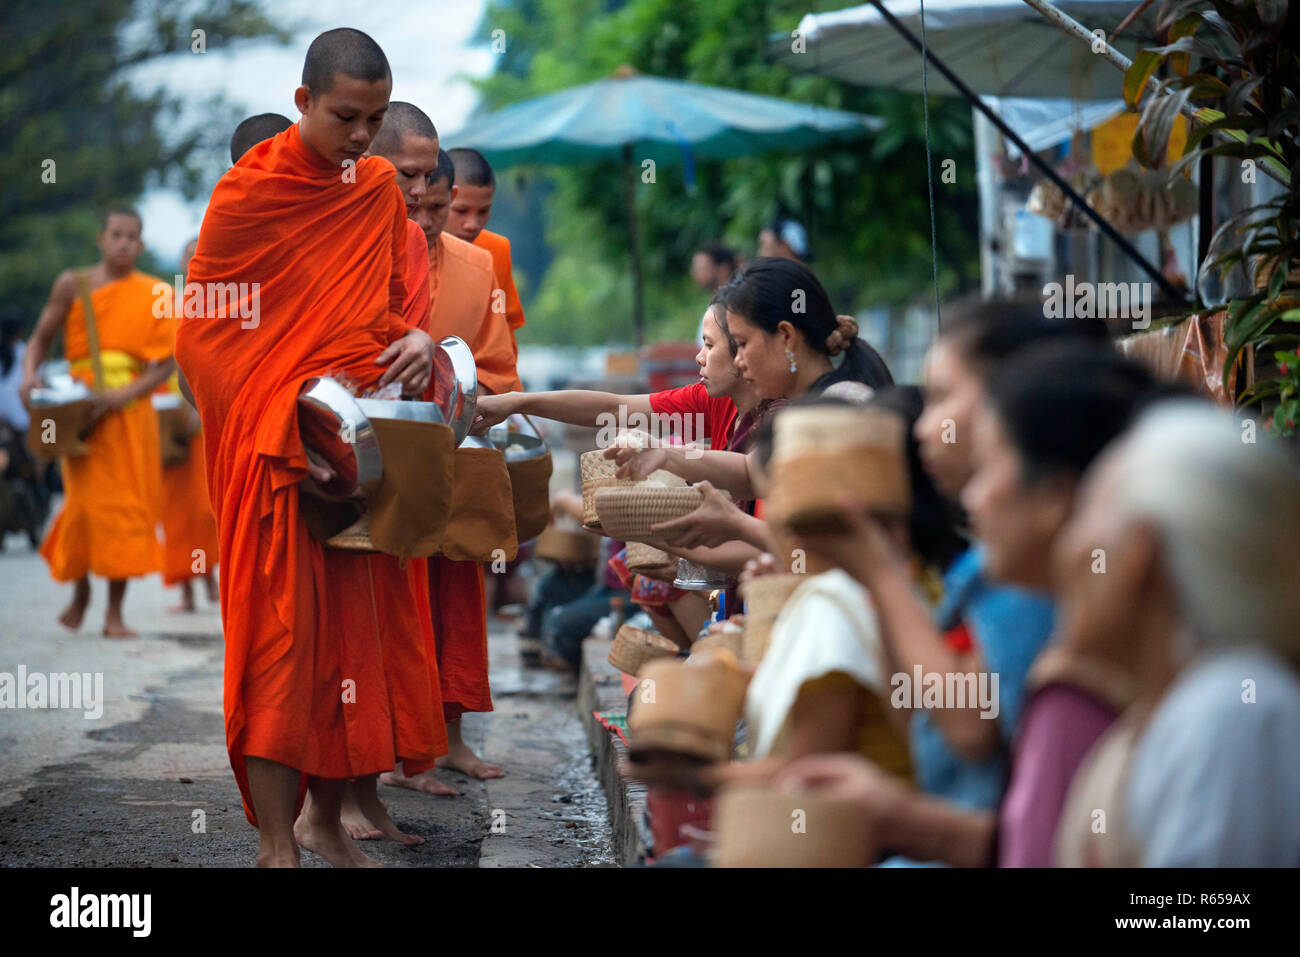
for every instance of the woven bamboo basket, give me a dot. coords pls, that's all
(758, 826)
(685, 709)
(765, 596)
(822, 457)
(596, 472)
(627, 512)
(732, 641)
(642, 557)
(633, 647)
(569, 545)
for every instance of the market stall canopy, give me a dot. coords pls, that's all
(1043, 124)
(999, 47)
(657, 119)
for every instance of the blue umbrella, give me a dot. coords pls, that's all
(637, 118)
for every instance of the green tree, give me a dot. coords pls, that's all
(865, 204)
(79, 136)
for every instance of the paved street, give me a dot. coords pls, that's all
(123, 789)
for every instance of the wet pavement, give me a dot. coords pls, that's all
(148, 783)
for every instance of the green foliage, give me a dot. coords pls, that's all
(1248, 89)
(65, 96)
(864, 204)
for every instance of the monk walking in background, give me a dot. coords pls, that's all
(254, 130)
(471, 208)
(108, 523)
(189, 530)
(316, 233)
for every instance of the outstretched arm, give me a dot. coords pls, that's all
(51, 320)
(573, 406)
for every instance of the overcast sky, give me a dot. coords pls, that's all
(428, 45)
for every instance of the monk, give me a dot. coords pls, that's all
(408, 140)
(108, 523)
(254, 130)
(462, 283)
(189, 530)
(471, 208)
(315, 231)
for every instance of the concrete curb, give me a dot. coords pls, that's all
(600, 688)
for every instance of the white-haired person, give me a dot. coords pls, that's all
(1200, 602)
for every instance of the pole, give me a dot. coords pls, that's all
(638, 292)
(1129, 249)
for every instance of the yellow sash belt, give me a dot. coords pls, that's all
(120, 368)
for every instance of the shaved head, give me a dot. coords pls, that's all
(343, 51)
(402, 120)
(119, 211)
(472, 169)
(255, 129)
(446, 171)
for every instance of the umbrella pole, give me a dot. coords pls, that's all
(1043, 167)
(638, 291)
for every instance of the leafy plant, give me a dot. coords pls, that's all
(1247, 88)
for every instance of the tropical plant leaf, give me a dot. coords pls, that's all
(1136, 76)
(1240, 92)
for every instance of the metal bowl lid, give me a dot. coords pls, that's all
(334, 427)
(455, 384)
(402, 409)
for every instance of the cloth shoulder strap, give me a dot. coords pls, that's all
(92, 331)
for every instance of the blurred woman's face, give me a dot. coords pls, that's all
(718, 369)
(943, 432)
(1016, 521)
(760, 358)
(1096, 565)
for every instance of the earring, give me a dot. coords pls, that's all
(790, 358)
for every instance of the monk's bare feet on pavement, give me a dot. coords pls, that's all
(118, 629)
(425, 782)
(270, 856)
(71, 616)
(354, 821)
(363, 795)
(114, 626)
(461, 758)
(320, 831)
(211, 582)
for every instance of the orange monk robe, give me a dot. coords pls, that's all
(461, 285)
(499, 247)
(402, 590)
(305, 680)
(108, 525)
(189, 530)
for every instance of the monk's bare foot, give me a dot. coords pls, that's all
(328, 839)
(376, 815)
(275, 856)
(356, 824)
(462, 759)
(424, 782)
(71, 616)
(119, 630)
(186, 607)
(211, 583)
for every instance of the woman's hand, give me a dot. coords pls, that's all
(638, 463)
(850, 778)
(715, 522)
(491, 410)
(862, 547)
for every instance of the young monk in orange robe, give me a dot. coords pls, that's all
(409, 141)
(470, 211)
(461, 283)
(189, 530)
(108, 523)
(321, 231)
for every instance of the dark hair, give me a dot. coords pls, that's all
(1062, 402)
(445, 169)
(786, 228)
(253, 130)
(346, 51)
(765, 294)
(472, 167)
(986, 332)
(934, 520)
(720, 254)
(400, 121)
(119, 209)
